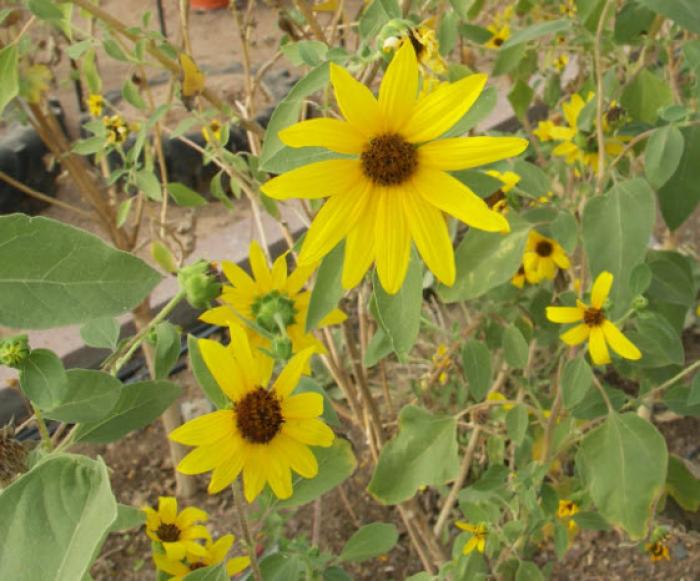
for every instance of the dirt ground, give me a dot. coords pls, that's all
(141, 467)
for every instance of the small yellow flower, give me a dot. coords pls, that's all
(542, 257)
(269, 298)
(498, 396)
(478, 539)
(212, 132)
(657, 551)
(267, 432)
(594, 325)
(213, 554)
(177, 532)
(509, 179)
(568, 8)
(396, 188)
(559, 63)
(499, 34)
(566, 510)
(117, 129)
(95, 104)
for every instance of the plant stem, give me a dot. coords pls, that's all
(599, 96)
(43, 430)
(43, 197)
(245, 529)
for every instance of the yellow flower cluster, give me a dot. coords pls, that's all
(177, 536)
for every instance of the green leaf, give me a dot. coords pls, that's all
(305, 52)
(149, 185)
(43, 379)
(128, 517)
(370, 541)
(123, 212)
(640, 279)
(536, 31)
(45, 9)
(306, 384)
(632, 22)
(327, 290)
(281, 567)
(399, 314)
(617, 227)
(102, 333)
(683, 12)
(379, 347)
(520, 97)
(89, 146)
(623, 462)
(564, 230)
(645, 95)
(335, 465)
(423, 453)
(485, 260)
(9, 87)
(515, 348)
(508, 59)
(676, 398)
(274, 155)
(447, 32)
(131, 95)
(90, 395)
(184, 196)
(576, 380)
(376, 15)
(528, 571)
(167, 349)
(662, 155)
(139, 404)
(477, 113)
(211, 573)
(476, 362)
(516, 423)
(658, 341)
(533, 180)
(204, 377)
(680, 195)
(591, 521)
(52, 274)
(62, 507)
(335, 573)
(682, 485)
(163, 257)
(694, 395)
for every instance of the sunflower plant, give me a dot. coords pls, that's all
(451, 346)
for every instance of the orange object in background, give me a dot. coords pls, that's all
(209, 4)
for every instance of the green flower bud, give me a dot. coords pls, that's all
(14, 351)
(281, 348)
(639, 303)
(274, 311)
(200, 284)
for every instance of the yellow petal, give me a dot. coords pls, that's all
(619, 343)
(576, 335)
(205, 429)
(278, 475)
(192, 77)
(170, 566)
(436, 112)
(219, 316)
(292, 372)
(259, 266)
(236, 565)
(452, 196)
(299, 278)
(560, 257)
(467, 152)
(303, 405)
(203, 459)
(470, 545)
(332, 134)
(564, 314)
(572, 109)
(237, 276)
(313, 432)
(465, 526)
(279, 273)
(335, 317)
(597, 347)
(397, 94)
(332, 223)
(195, 532)
(359, 246)
(167, 509)
(223, 367)
(315, 180)
(175, 551)
(253, 480)
(356, 102)
(391, 240)
(189, 516)
(300, 458)
(601, 289)
(220, 548)
(225, 473)
(245, 360)
(429, 232)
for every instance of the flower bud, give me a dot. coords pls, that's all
(199, 283)
(639, 303)
(281, 348)
(14, 351)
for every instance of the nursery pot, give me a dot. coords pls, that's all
(209, 4)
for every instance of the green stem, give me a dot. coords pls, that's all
(666, 384)
(43, 430)
(245, 530)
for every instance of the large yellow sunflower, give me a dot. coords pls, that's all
(177, 532)
(396, 187)
(214, 552)
(269, 299)
(268, 431)
(594, 325)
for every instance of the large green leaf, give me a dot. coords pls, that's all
(682, 484)
(376, 15)
(617, 227)
(515, 348)
(52, 274)
(167, 349)
(54, 518)
(327, 290)
(335, 465)
(139, 404)
(623, 463)
(399, 314)
(536, 31)
(43, 379)
(485, 260)
(645, 95)
(370, 541)
(423, 453)
(684, 13)
(680, 195)
(476, 363)
(90, 395)
(211, 573)
(662, 154)
(102, 333)
(576, 380)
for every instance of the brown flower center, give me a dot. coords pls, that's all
(197, 565)
(498, 41)
(259, 416)
(417, 44)
(593, 317)
(544, 248)
(389, 160)
(168, 533)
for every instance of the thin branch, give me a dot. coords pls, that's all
(599, 95)
(43, 197)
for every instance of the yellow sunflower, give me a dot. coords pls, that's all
(396, 187)
(657, 551)
(594, 326)
(214, 553)
(478, 539)
(268, 431)
(542, 258)
(117, 129)
(212, 131)
(509, 179)
(177, 532)
(566, 510)
(499, 34)
(95, 104)
(270, 299)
